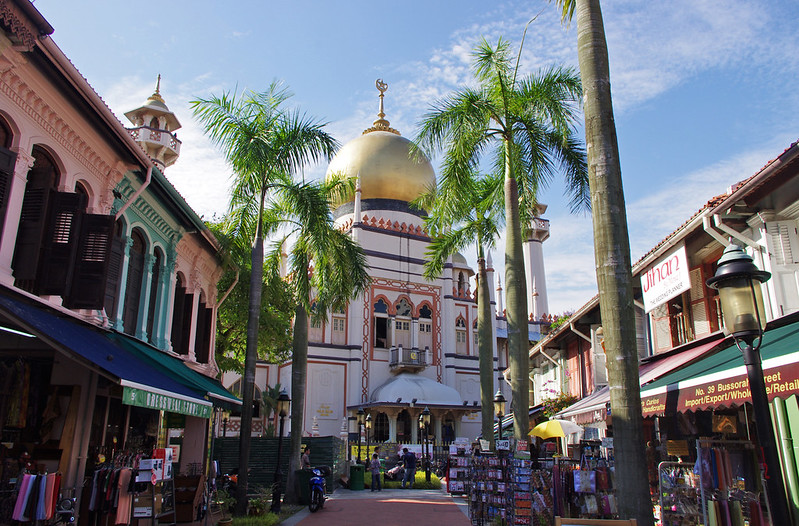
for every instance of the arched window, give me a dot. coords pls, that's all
(425, 327)
(339, 328)
(402, 324)
(381, 324)
(462, 287)
(460, 336)
(154, 123)
(133, 289)
(381, 427)
(404, 427)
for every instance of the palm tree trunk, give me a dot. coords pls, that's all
(250, 358)
(485, 348)
(613, 266)
(516, 305)
(299, 375)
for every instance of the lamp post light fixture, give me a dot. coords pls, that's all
(283, 406)
(424, 420)
(738, 281)
(368, 425)
(360, 423)
(499, 410)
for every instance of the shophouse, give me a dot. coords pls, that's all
(693, 378)
(108, 278)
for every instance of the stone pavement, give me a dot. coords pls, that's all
(390, 507)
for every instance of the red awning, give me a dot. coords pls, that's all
(591, 409)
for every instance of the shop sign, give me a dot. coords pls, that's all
(503, 445)
(782, 382)
(161, 402)
(667, 278)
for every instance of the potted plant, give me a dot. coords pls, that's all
(223, 503)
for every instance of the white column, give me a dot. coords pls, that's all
(123, 285)
(169, 303)
(195, 305)
(415, 333)
(13, 211)
(144, 301)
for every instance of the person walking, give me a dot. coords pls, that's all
(306, 458)
(374, 467)
(409, 461)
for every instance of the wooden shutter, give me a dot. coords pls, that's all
(201, 338)
(783, 245)
(27, 251)
(88, 286)
(8, 160)
(185, 323)
(60, 245)
(177, 319)
(114, 275)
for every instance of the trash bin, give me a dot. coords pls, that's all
(304, 480)
(356, 477)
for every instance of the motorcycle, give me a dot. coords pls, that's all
(318, 487)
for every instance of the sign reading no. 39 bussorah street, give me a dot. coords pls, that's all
(162, 402)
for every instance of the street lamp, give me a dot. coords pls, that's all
(352, 423)
(738, 281)
(360, 423)
(424, 420)
(368, 424)
(283, 405)
(499, 409)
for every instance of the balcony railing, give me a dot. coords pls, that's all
(158, 137)
(407, 358)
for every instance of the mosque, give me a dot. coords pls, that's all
(407, 344)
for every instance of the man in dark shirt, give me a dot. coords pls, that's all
(409, 460)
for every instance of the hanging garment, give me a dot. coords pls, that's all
(22, 498)
(125, 498)
(41, 510)
(29, 513)
(712, 513)
(93, 498)
(736, 514)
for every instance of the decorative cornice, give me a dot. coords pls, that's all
(146, 212)
(20, 26)
(15, 88)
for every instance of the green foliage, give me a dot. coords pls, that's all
(225, 501)
(557, 403)
(277, 307)
(269, 519)
(560, 320)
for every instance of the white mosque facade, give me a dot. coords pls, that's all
(407, 343)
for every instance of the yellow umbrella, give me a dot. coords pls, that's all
(555, 428)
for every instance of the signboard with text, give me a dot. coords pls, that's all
(162, 402)
(781, 381)
(665, 279)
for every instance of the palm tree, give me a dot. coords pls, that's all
(529, 122)
(464, 213)
(263, 141)
(613, 262)
(326, 269)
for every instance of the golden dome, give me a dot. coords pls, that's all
(385, 163)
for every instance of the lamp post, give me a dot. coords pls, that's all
(499, 410)
(738, 281)
(424, 420)
(283, 405)
(360, 423)
(368, 425)
(351, 432)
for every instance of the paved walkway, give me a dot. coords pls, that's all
(390, 507)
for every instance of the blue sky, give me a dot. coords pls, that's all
(705, 92)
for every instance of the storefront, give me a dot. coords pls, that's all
(76, 398)
(706, 406)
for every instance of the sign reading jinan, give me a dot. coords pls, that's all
(160, 402)
(668, 277)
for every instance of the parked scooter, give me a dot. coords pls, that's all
(318, 487)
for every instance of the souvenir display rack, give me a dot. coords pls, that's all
(532, 494)
(490, 491)
(458, 473)
(678, 493)
(730, 481)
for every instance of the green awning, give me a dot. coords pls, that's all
(720, 380)
(177, 369)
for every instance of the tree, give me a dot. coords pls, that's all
(262, 141)
(529, 122)
(613, 262)
(463, 211)
(326, 269)
(277, 306)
